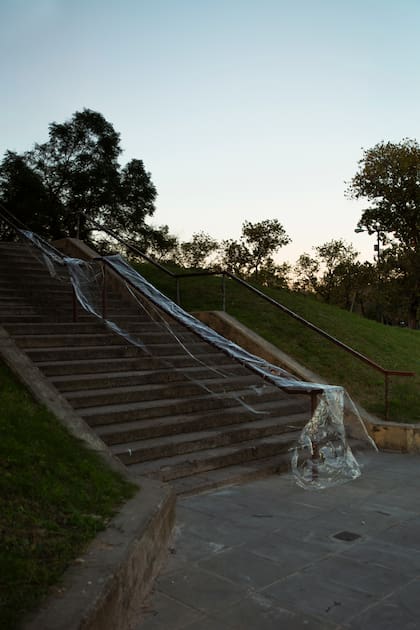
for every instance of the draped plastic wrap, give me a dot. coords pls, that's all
(322, 456)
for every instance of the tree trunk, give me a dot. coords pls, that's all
(412, 310)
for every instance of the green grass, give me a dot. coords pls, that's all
(391, 347)
(55, 496)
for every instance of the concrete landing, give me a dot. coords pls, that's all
(272, 556)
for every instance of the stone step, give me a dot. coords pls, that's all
(12, 319)
(7, 299)
(134, 430)
(96, 366)
(67, 383)
(16, 309)
(97, 338)
(63, 340)
(63, 353)
(57, 328)
(187, 388)
(110, 414)
(170, 446)
(169, 468)
(231, 475)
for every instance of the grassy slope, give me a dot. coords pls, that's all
(390, 347)
(54, 497)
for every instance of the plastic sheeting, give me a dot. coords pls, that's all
(322, 457)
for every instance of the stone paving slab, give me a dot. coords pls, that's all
(269, 555)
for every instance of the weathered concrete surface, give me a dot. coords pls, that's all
(269, 555)
(391, 436)
(105, 588)
(395, 436)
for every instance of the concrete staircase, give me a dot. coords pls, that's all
(196, 418)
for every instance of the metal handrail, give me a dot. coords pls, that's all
(358, 355)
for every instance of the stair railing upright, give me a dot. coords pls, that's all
(226, 274)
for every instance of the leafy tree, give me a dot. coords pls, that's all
(273, 275)
(79, 177)
(235, 257)
(337, 259)
(306, 272)
(262, 240)
(195, 253)
(389, 178)
(255, 249)
(160, 244)
(24, 192)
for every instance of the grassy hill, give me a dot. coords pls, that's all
(55, 495)
(391, 347)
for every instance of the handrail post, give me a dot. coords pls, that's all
(74, 301)
(224, 292)
(178, 292)
(104, 287)
(386, 376)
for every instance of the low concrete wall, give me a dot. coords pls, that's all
(105, 588)
(391, 436)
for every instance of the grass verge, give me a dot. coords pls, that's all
(55, 496)
(391, 347)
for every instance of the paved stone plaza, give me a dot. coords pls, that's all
(270, 555)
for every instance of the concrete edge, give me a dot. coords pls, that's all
(106, 587)
(392, 436)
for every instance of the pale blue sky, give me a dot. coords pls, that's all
(240, 110)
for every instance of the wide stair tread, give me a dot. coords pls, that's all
(168, 468)
(183, 408)
(227, 435)
(231, 475)
(121, 431)
(158, 391)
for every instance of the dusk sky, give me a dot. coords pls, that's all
(240, 110)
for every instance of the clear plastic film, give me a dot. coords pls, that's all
(322, 456)
(47, 254)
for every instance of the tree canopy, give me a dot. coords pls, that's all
(252, 255)
(75, 176)
(389, 178)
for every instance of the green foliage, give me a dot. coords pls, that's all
(54, 497)
(337, 259)
(196, 252)
(77, 171)
(252, 255)
(389, 178)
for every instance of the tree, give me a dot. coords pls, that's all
(306, 272)
(78, 174)
(195, 253)
(337, 259)
(255, 249)
(389, 178)
(24, 192)
(262, 240)
(235, 257)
